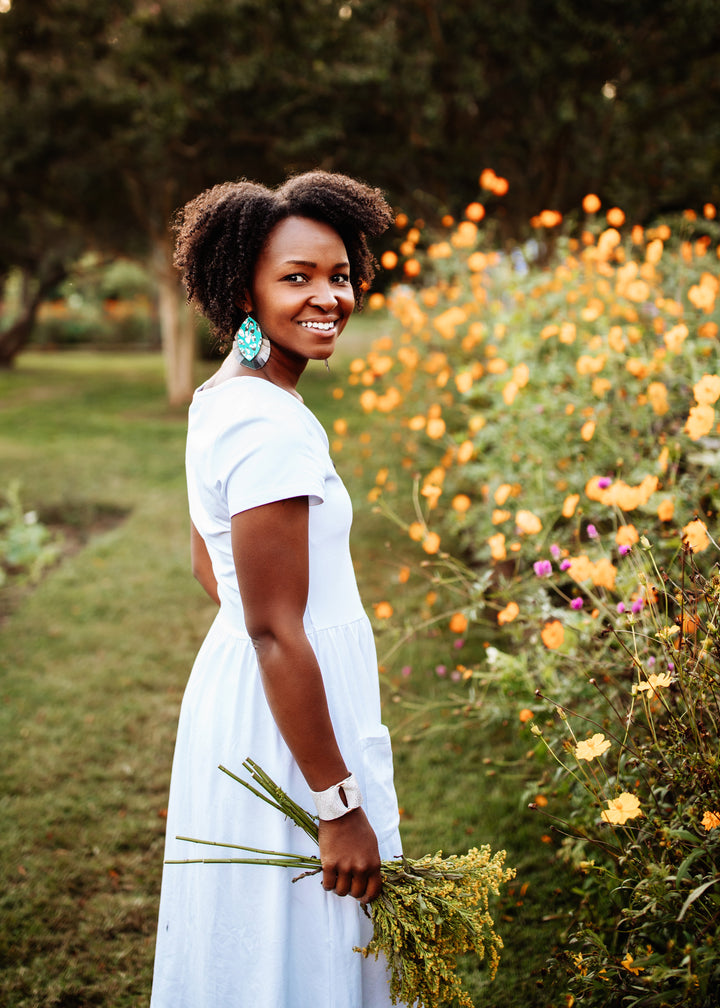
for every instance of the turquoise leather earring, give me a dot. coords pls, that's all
(252, 347)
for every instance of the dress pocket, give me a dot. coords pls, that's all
(379, 796)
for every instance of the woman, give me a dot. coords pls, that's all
(287, 674)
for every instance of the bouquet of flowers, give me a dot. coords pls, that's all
(429, 911)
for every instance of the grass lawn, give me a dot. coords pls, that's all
(93, 662)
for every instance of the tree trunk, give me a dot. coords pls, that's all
(17, 335)
(177, 328)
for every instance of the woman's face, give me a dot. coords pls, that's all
(301, 294)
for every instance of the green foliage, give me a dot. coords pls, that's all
(26, 545)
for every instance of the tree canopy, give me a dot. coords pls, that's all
(115, 113)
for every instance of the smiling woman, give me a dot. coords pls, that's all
(288, 672)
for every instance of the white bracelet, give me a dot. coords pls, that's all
(329, 803)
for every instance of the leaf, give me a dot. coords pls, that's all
(695, 894)
(685, 866)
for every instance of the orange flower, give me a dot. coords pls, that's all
(389, 260)
(591, 204)
(458, 623)
(699, 422)
(497, 546)
(403, 575)
(508, 614)
(711, 820)
(435, 427)
(626, 535)
(475, 211)
(411, 268)
(383, 610)
(502, 493)
(525, 715)
(657, 394)
(615, 217)
(461, 503)
(666, 510)
(675, 337)
(587, 430)
(431, 542)
(528, 522)
(569, 505)
(416, 531)
(553, 634)
(707, 390)
(465, 451)
(695, 534)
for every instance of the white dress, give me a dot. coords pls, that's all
(239, 936)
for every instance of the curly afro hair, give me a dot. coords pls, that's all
(223, 230)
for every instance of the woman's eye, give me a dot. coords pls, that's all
(342, 278)
(296, 278)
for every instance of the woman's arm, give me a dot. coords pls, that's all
(201, 565)
(270, 546)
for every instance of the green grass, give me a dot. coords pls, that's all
(92, 666)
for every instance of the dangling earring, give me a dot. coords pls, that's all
(251, 345)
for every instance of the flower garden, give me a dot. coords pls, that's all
(549, 445)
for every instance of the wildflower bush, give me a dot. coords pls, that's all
(555, 407)
(636, 791)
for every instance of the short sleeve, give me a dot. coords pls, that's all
(270, 458)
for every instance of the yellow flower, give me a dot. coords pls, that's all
(711, 820)
(655, 682)
(628, 964)
(625, 806)
(588, 749)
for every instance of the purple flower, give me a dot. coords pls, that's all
(637, 605)
(543, 568)
(621, 607)
(456, 675)
(457, 644)
(405, 671)
(592, 532)
(566, 564)
(671, 666)
(622, 550)
(604, 482)
(440, 670)
(555, 551)
(577, 603)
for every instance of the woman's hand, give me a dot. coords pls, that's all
(350, 857)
